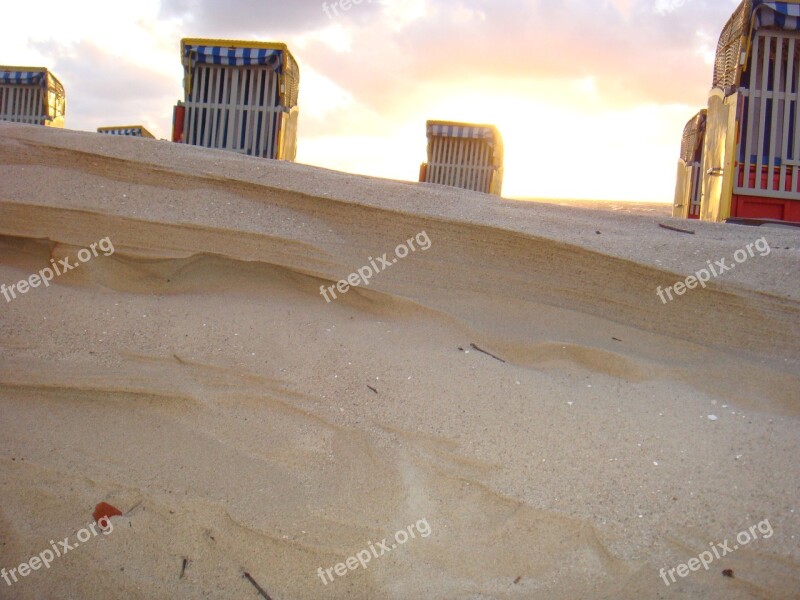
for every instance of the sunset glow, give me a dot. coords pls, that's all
(590, 99)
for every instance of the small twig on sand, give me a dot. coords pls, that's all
(258, 587)
(183, 567)
(178, 358)
(372, 388)
(133, 508)
(487, 353)
(671, 228)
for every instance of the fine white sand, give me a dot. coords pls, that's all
(197, 380)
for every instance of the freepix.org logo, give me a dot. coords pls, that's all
(47, 556)
(46, 275)
(715, 269)
(376, 550)
(718, 551)
(375, 266)
(332, 10)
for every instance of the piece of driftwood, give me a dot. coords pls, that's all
(679, 230)
(487, 353)
(258, 587)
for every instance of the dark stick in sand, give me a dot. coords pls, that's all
(183, 567)
(372, 388)
(258, 587)
(671, 228)
(487, 353)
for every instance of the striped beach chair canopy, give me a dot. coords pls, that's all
(233, 56)
(20, 77)
(240, 96)
(464, 155)
(463, 130)
(239, 53)
(31, 95)
(127, 130)
(776, 15)
(734, 44)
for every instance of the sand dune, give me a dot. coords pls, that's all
(197, 380)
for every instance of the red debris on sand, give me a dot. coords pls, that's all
(103, 512)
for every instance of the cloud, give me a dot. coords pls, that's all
(244, 18)
(643, 56)
(383, 55)
(103, 89)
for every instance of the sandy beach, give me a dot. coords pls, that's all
(514, 387)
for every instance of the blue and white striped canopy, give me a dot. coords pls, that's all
(777, 15)
(239, 57)
(460, 131)
(134, 131)
(23, 77)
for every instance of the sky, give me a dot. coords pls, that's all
(590, 96)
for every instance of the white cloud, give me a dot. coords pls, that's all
(401, 13)
(320, 97)
(667, 6)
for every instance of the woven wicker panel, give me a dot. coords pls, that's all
(729, 48)
(59, 95)
(292, 75)
(693, 134)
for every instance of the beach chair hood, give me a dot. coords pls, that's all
(734, 47)
(51, 103)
